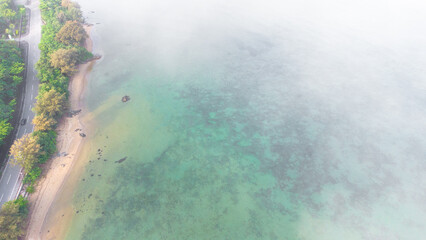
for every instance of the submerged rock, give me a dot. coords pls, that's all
(73, 113)
(121, 160)
(125, 99)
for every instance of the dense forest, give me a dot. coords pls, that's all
(11, 75)
(10, 16)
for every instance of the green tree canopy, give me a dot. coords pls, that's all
(12, 218)
(25, 152)
(72, 33)
(11, 72)
(8, 16)
(5, 128)
(47, 141)
(51, 104)
(73, 10)
(65, 60)
(43, 122)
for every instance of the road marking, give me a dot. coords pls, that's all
(31, 95)
(25, 131)
(32, 86)
(29, 108)
(7, 165)
(8, 180)
(1, 197)
(13, 188)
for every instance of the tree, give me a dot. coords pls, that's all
(7, 16)
(65, 60)
(47, 141)
(43, 122)
(74, 13)
(5, 128)
(51, 104)
(66, 3)
(12, 218)
(11, 68)
(25, 152)
(72, 33)
(11, 27)
(6, 10)
(61, 16)
(17, 68)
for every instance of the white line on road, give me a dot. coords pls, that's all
(7, 165)
(9, 179)
(25, 131)
(14, 186)
(29, 108)
(1, 197)
(32, 87)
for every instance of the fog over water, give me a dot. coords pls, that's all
(256, 120)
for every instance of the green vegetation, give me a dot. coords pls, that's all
(55, 73)
(11, 75)
(65, 60)
(25, 152)
(47, 141)
(12, 218)
(51, 104)
(10, 16)
(72, 33)
(43, 122)
(61, 51)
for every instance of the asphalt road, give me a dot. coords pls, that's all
(11, 178)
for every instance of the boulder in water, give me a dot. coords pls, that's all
(121, 160)
(125, 99)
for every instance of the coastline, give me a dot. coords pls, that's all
(69, 143)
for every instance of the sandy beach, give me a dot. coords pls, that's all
(58, 168)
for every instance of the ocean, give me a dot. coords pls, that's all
(254, 120)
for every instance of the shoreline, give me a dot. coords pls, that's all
(69, 144)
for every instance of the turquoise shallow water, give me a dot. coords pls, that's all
(244, 125)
